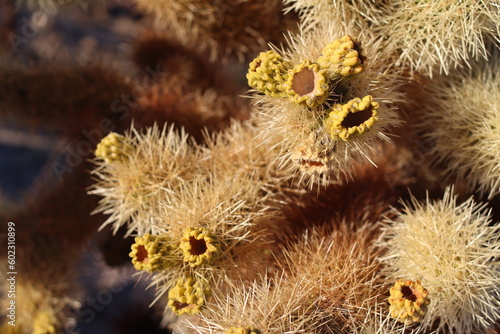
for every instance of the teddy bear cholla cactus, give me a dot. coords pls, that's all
(234, 29)
(357, 14)
(270, 304)
(341, 270)
(322, 77)
(429, 43)
(461, 121)
(453, 249)
(328, 288)
(427, 36)
(195, 206)
(157, 163)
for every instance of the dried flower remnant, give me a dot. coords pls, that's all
(341, 57)
(307, 84)
(113, 148)
(267, 73)
(188, 296)
(356, 117)
(312, 157)
(150, 253)
(199, 245)
(408, 301)
(242, 330)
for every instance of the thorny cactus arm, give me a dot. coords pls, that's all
(224, 30)
(242, 330)
(449, 246)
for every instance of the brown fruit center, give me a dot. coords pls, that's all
(303, 82)
(178, 305)
(142, 254)
(198, 247)
(357, 118)
(408, 293)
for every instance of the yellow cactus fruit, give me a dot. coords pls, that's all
(408, 301)
(199, 245)
(306, 84)
(341, 57)
(150, 253)
(267, 73)
(188, 296)
(113, 148)
(45, 322)
(356, 117)
(242, 330)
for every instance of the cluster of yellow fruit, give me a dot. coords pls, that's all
(310, 84)
(154, 253)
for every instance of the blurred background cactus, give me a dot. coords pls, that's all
(249, 166)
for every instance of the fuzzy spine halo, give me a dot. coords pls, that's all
(453, 249)
(461, 121)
